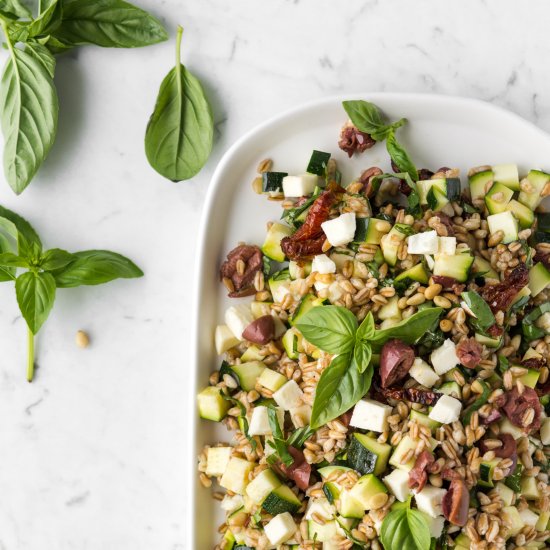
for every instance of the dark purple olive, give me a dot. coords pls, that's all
(396, 360)
(261, 331)
(456, 502)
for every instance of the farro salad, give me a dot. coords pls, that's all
(386, 380)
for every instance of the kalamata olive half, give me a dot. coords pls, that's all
(396, 360)
(456, 502)
(261, 331)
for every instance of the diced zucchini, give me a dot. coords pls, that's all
(279, 285)
(252, 353)
(366, 489)
(539, 278)
(479, 184)
(272, 244)
(262, 485)
(506, 494)
(371, 230)
(318, 163)
(350, 507)
(280, 500)
(507, 174)
(406, 443)
(332, 491)
(482, 268)
(424, 187)
(497, 198)
(308, 301)
(462, 542)
(327, 471)
(292, 342)
(224, 339)
(391, 242)
(235, 477)
(390, 310)
(248, 374)
(452, 389)
(530, 378)
(488, 341)
(259, 309)
(532, 188)
(542, 523)
(507, 427)
(367, 455)
(212, 406)
(516, 524)
(457, 266)
(486, 470)
(272, 182)
(505, 222)
(524, 215)
(424, 419)
(217, 459)
(529, 489)
(293, 268)
(322, 533)
(416, 273)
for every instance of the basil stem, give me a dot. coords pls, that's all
(30, 360)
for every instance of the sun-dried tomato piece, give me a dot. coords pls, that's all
(415, 395)
(308, 240)
(352, 140)
(516, 407)
(418, 476)
(396, 360)
(534, 363)
(449, 283)
(299, 471)
(500, 296)
(456, 502)
(469, 352)
(495, 331)
(253, 262)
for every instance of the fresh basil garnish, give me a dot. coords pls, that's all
(368, 118)
(278, 443)
(400, 157)
(179, 136)
(405, 528)
(484, 317)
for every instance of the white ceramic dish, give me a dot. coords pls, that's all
(442, 131)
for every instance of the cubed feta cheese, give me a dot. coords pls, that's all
(224, 339)
(217, 459)
(320, 285)
(370, 415)
(300, 416)
(237, 318)
(341, 230)
(447, 245)
(545, 431)
(232, 503)
(299, 186)
(436, 526)
(259, 421)
(429, 500)
(398, 483)
(280, 291)
(446, 410)
(335, 292)
(320, 507)
(423, 243)
(423, 373)
(289, 396)
(323, 264)
(280, 528)
(444, 358)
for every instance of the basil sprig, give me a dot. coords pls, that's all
(367, 117)
(348, 378)
(179, 136)
(35, 288)
(28, 97)
(399, 156)
(484, 317)
(405, 528)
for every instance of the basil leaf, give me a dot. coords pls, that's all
(35, 296)
(330, 328)
(108, 23)
(299, 437)
(6, 273)
(243, 421)
(55, 259)
(278, 437)
(9, 259)
(29, 108)
(179, 135)
(42, 55)
(400, 157)
(364, 115)
(95, 267)
(405, 529)
(28, 242)
(410, 330)
(366, 328)
(479, 307)
(340, 387)
(14, 9)
(362, 354)
(44, 24)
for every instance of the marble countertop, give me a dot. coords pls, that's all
(93, 454)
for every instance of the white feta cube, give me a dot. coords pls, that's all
(232, 503)
(429, 500)
(335, 292)
(444, 358)
(299, 186)
(281, 528)
(259, 421)
(320, 285)
(237, 318)
(545, 431)
(289, 396)
(224, 339)
(423, 373)
(447, 245)
(320, 507)
(446, 410)
(436, 526)
(280, 291)
(398, 483)
(341, 230)
(423, 243)
(323, 264)
(370, 415)
(300, 416)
